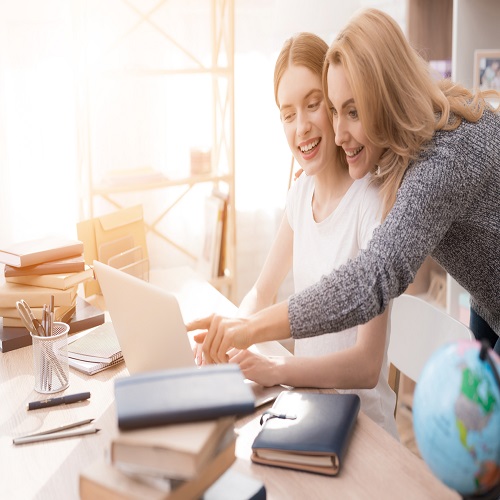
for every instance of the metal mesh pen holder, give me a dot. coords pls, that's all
(50, 360)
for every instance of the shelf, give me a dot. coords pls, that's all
(131, 91)
(103, 189)
(474, 25)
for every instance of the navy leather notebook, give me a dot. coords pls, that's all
(182, 395)
(307, 431)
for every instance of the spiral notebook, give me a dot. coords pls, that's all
(99, 345)
(91, 367)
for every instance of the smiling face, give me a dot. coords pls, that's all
(305, 119)
(362, 155)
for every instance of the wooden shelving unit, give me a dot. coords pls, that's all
(451, 30)
(174, 31)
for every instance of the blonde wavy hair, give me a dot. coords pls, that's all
(398, 101)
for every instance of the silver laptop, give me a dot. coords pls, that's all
(148, 323)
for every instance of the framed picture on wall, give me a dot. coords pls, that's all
(487, 69)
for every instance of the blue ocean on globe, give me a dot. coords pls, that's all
(456, 417)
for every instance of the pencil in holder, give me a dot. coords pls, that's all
(50, 360)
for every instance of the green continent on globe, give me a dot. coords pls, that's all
(457, 421)
(473, 410)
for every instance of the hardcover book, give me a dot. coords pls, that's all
(182, 395)
(69, 265)
(35, 296)
(307, 431)
(30, 253)
(11, 314)
(86, 316)
(12, 338)
(102, 481)
(208, 261)
(61, 281)
(177, 451)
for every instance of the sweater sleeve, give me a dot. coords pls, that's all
(434, 191)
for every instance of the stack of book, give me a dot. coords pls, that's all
(175, 436)
(175, 461)
(35, 271)
(177, 451)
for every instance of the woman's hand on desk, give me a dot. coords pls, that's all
(219, 335)
(261, 369)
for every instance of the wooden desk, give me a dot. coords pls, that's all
(376, 466)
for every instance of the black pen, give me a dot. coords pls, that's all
(63, 400)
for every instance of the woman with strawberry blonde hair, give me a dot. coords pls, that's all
(329, 217)
(436, 147)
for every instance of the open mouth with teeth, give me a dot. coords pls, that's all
(309, 147)
(352, 154)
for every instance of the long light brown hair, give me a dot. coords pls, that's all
(303, 49)
(399, 103)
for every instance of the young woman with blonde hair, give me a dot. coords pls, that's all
(439, 172)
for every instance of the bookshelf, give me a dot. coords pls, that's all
(451, 30)
(157, 87)
(448, 30)
(475, 26)
(429, 30)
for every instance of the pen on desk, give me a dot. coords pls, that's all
(55, 435)
(60, 428)
(63, 400)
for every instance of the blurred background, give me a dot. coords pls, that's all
(94, 89)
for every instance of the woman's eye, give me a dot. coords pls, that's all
(333, 110)
(314, 105)
(288, 117)
(353, 113)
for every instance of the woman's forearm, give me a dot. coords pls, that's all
(253, 302)
(341, 370)
(427, 204)
(270, 324)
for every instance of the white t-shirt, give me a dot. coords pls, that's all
(320, 247)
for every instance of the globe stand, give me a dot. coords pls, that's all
(493, 494)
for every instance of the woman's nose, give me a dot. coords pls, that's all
(340, 132)
(303, 125)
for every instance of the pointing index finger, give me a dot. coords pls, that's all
(199, 323)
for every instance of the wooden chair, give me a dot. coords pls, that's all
(418, 328)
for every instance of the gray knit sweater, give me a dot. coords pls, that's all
(448, 206)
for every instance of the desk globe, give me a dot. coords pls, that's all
(456, 418)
